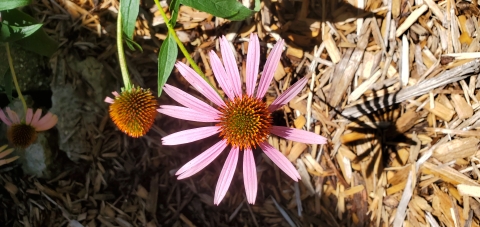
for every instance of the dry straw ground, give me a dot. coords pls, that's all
(393, 87)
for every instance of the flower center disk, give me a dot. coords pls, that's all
(21, 135)
(245, 122)
(134, 111)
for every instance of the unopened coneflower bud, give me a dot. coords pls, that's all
(133, 111)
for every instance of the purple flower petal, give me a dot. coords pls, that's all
(190, 135)
(199, 83)
(269, 69)
(226, 176)
(222, 77)
(187, 114)
(46, 122)
(231, 66)
(12, 115)
(188, 100)
(298, 135)
(253, 62)
(198, 163)
(280, 160)
(28, 117)
(5, 118)
(36, 117)
(250, 175)
(108, 100)
(288, 94)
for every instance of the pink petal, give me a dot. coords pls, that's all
(199, 83)
(226, 176)
(269, 69)
(253, 62)
(231, 66)
(222, 77)
(109, 100)
(115, 93)
(250, 175)
(198, 163)
(4, 118)
(188, 100)
(46, 122)
(12, 115)
(28, 117)
(190, 135)
(288, 94)
(36, 117)
(280, 160)
(298, 135)
(187, 114)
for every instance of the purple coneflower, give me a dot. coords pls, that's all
(243, 121)
(22, 133)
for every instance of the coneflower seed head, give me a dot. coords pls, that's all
(134, 111)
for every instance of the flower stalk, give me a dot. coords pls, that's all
(190, 60)
(14, 77)
(121, 54)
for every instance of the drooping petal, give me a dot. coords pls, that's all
(222, 77)
(231, 66)
(190, 135)
(253, 62)
(288, 94)
(12, 115)
(36, 117)
(249, 175)
(199, 83)
(108, 100)
(187, 114)
(280, 160)
(28, 117)
(198, 163)
(269, 69)
(4, 118)
(46, 122)
(188, 100)
(298, 135)
(226, 176)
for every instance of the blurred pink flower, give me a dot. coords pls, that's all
(243, 121)
(23, 132)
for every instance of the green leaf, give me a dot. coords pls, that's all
(129, 10)
(257, 6)
(166, 60)
(11, 33)
(174, 6)
(12, 4)
(7, 79)
(38, 42)
(132, 45)
(228, 9)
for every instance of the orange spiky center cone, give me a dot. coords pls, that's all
(245, 122)
(134, 111)
(21, 135)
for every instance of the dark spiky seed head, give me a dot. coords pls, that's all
(134, 111)
(21, 135)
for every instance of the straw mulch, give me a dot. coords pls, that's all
(393, 87)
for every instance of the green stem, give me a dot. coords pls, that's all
(121, 53)
(181, 46)
(14, 76)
